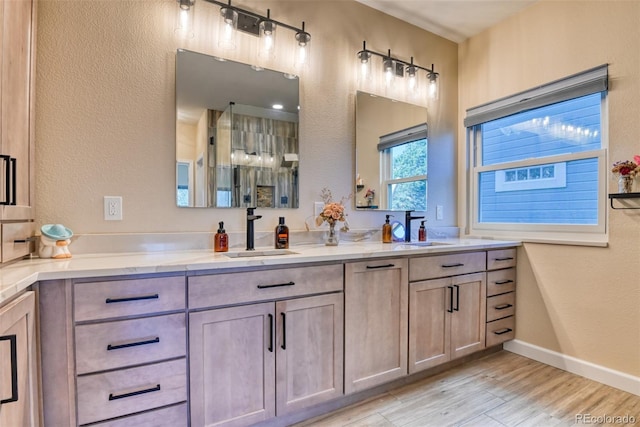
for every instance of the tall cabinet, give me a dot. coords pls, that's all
(17, 106)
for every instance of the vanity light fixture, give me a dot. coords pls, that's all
(184, 18)
(234, 19)
(394, 68)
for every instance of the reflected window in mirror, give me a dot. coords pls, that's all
(403, 166)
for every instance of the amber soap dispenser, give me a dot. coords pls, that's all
(221, 239)
(386, 231)
(282, 235)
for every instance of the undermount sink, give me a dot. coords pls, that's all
(429, 243)
(259, 253)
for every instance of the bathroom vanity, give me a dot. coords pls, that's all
(197, 338)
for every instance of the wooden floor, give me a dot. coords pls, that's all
(502, 389)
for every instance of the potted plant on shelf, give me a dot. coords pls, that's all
(626, 171)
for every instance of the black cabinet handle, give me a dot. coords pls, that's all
(457, 298)
(452, 265)
(134, 298)
(509, 258)
(14, 177)
(371, 267)
(14, 368)
(7, 179)
(503, 306)
(26, 240)
(502, 282)
(284, 331)
(450, 309)
(133, 344)
(134, 393)
(277, 285)
(503, 331)
(271, 332)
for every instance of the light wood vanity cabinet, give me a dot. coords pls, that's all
(446, 314)
(256, 360)
(501, 296)
(123, 343)
(19, 403)
(376, 322)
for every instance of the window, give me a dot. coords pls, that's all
(403, 163)
(538, 161)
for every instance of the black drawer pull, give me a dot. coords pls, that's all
(132, 344)
(503, 282)
(503, 331)
(284, 331)
(371, 267)
(128, 299)
(457, 308)
(14, 179)
(26, 240)
(134, 393)
(450, 309)
(7, 180)
(14, 368)
(452, 265)
(277, 285)
(270, 332)
(503, 306)
(508, 258)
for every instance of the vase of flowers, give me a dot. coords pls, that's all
(332, 213)
(371, 193)
(626, 171)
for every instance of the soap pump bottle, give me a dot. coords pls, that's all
(221, 239)
(422, 232)
(282, 235)
(386, 231)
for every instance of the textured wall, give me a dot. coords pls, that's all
(106, 114)
(580, 301)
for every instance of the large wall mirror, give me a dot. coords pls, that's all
(391, 154)
(236, 134)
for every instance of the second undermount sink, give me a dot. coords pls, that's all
(420, 244)
(259, 253)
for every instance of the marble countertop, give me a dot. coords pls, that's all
(16, 277)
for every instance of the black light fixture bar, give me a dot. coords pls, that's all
(249, 21)
(365, 54)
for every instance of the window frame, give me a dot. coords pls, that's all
(554, 233)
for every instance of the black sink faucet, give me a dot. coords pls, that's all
(250, 218)
(407, 224)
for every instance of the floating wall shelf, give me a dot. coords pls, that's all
(624, 196)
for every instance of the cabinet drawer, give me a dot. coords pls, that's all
(501, 258)
(12, 234)
(501, 306)
(173, 416)
(234, 288)
(501, 330)
(127, 391)
(102, 300)
(112, 345)
(422, 268)
(501, 281)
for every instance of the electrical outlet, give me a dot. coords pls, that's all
(318, 207)
(112, 208)
(439, 212)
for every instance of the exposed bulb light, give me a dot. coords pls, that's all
(277, 106)
(267, 37)
(434, 89)
(389, 70)
(228, 26)
(184, 18)
(302, 55)
(364, 56)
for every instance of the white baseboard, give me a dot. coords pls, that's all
(610, 377)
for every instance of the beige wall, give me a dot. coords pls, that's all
(581, 301)
(106, 109)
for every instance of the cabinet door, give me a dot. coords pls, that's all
(469, 315)
(232, 365)
(430, 304)
(309, 357)
(17, 43)
(376, 322)
(18, 378)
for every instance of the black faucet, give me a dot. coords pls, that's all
(407, 224)
(250, 218)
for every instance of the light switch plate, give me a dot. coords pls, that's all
(439, 212)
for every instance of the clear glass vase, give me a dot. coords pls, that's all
(625, 184)
(332, 236)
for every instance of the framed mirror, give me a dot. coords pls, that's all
(236, 134)
(391, 154)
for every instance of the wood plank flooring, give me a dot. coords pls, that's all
(502, 389)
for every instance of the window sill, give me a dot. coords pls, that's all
(548, 240)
